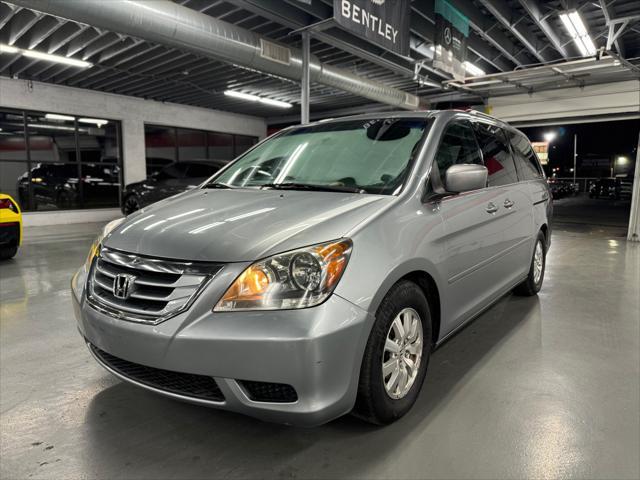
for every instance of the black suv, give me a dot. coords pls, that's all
(171, 180)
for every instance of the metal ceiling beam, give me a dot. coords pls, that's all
(292, 17)
(165, 22)
(534, 9)
(504, 14)
(45, 27)
(425, 10)
(485, 27)
(618, 42)
(21, 23)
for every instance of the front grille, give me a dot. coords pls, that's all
(269, 392)
(157, 289)
(185, 384)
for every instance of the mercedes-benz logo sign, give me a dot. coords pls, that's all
(123, 285)
(447, 36)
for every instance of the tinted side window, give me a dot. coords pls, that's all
(458, 146)
(526, 158)
(496, 154)
(201, 170)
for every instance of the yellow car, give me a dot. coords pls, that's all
(10, 227)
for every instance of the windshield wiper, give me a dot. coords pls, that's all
(314, 187)
(217, 185)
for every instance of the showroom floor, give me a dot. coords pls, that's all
(536, 387)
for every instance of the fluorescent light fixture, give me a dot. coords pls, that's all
(8, 49)
(256, 98)
(96, 121)
(55, 116)
(50, 127)
(275, 103)
(473, 70)
(578, 32)
(44, 56)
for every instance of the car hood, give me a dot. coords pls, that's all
(241, 225)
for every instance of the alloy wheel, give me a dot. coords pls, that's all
(402, 353)
(538, 263)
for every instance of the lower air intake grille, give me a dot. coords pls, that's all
(185, 384)
(269, 392)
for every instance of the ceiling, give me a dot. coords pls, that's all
(505, 35)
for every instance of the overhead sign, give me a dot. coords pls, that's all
(542, 150)
(384, 22)
(452, 31)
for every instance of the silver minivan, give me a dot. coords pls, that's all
(314, 275)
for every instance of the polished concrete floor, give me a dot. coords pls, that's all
(537, 387)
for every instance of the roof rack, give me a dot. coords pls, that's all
(481, 114)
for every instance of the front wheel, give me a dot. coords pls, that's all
(396, 357)
(533, 283)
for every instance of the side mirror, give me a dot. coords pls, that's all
(466, 177)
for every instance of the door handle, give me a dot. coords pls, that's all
(492, 208)
(508, 203)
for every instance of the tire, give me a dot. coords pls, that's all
(131, 204)
(533, 283)
(8, 252)
(374, 403)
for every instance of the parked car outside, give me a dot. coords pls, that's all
(173, 179)
(612, 188)
(314, 275)
(10, 227)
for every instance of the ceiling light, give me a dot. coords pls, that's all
(473, 70)
(96, 121)
(8, 49)
(578, 32)
(50, 127)
(256, 98)
(549, 136)
(55, 116)
(55, 58)
(44, 56)
(275, 103)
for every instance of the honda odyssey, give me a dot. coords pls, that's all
(315, 274)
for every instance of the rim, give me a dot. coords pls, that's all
(131, 205)
(538, 262)
(402, 353)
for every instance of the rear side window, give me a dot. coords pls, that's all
(458, 146)
(526, 158)
(496, 154)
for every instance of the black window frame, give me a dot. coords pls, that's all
(175, 130)
(30, 163)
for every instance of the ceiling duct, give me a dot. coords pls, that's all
(167, 23)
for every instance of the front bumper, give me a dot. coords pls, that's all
(317, 351)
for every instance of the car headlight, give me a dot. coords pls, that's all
(97, 243)
(296, 279)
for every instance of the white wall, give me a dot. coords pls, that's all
(132, 112)
(605, 99)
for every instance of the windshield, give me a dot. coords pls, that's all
(365, 156)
